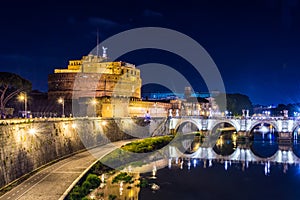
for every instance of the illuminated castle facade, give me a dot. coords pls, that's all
(113, 87)
(94, 76)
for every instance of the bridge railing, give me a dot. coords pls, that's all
(239, 117)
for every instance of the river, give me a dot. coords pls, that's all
(268, 170)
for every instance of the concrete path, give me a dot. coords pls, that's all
(52, 182)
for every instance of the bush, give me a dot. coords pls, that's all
(76, 193)
(143, 183)
(99, 169)
(94, 180)
(91, 181)
(86, 186)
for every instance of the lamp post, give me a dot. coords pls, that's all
(62, 102)
(23, 97)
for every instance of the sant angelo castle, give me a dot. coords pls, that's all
(99, 87)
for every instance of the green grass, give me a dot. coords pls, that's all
(148, 144)
(133, 153)
(123, 176)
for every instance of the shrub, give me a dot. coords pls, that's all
(99, 169)
(86, 186)
(94, 180)
(143, 183)
(76, 193)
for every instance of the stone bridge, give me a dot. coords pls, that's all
(285, 127)
(241, 155)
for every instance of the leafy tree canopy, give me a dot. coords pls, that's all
(11, 85)
(236, 103)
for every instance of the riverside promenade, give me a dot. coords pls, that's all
(54, 181)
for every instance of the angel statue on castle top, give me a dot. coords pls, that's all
(104, 55)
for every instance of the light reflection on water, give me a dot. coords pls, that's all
(225, 180)
(222, 178)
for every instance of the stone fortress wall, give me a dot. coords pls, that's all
(29, 144)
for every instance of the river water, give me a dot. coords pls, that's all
(275, 176)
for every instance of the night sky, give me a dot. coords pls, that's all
(255, 44)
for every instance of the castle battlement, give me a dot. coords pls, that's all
(97, 76)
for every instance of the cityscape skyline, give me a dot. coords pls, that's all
(254, 44)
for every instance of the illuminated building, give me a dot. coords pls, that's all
(94, 76)
(102, 88)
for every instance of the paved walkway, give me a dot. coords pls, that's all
(51, 182)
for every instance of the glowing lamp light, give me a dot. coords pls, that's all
(94, 102)
(32, 131)
(21, 97)
(60, 100)
(104, 123)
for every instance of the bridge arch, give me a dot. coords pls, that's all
(218, 122)
(296, 125)
(263, 122)
(186, 121)
(296, 131)
(265, 134)
(272, 150)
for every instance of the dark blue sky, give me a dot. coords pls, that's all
(255, 44)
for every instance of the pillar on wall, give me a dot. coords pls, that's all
(285, 137)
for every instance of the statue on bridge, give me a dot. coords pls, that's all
(147, 117)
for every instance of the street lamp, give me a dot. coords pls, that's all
(23, 97)
(62, 102)
(94, 102)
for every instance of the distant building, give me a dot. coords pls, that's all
(188, 103)
(196, 106)
(188, 92)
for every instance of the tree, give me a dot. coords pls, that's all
(11, 85)
(236, 103)
(278, 111)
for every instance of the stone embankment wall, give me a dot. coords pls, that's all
(29, 144)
